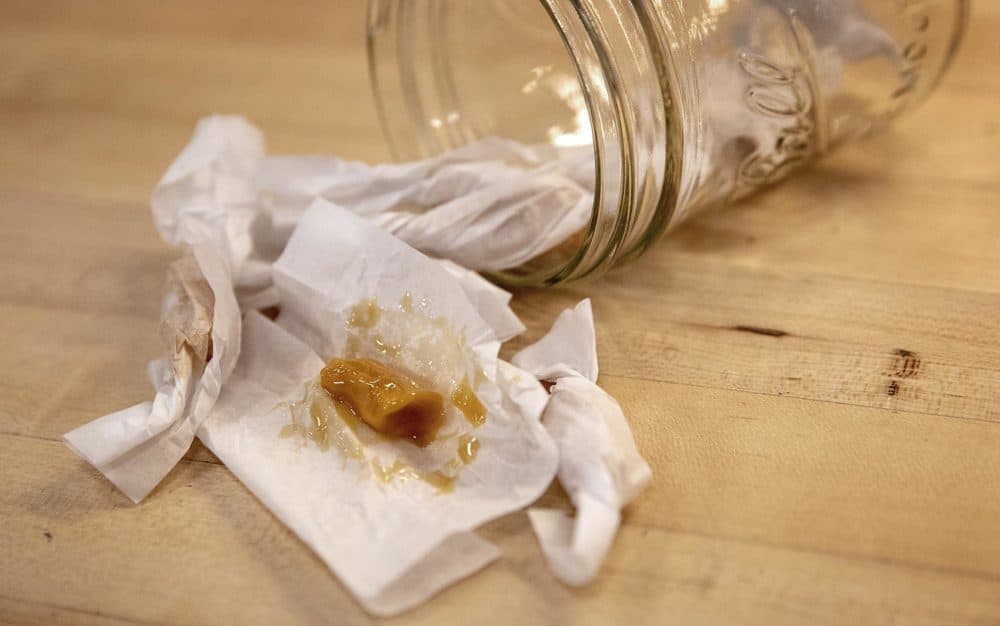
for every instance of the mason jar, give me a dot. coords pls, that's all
(676, 105)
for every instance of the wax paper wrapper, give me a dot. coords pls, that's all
(209, 194)
(599, 465)
(492, 302)
(392, 520)
(492, 204)
(489, 205)
(136, 447)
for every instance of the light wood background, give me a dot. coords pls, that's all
(843, 470)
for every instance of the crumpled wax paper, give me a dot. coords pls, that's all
(489, 205)
(450, 206)
(599, 465)
(136, 447)
(209, 194)
(393, 542)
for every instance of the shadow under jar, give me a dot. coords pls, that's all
(666, 107)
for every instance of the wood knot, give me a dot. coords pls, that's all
(906, 364)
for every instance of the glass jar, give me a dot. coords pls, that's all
(679, 104)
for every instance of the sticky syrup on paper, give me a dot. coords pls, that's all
(386, 387)
(327, 426)
(401, 472)
(466, 401)
(365, 314)
(468, 448)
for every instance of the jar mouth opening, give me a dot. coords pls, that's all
(622, 182)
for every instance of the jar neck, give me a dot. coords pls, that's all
(625, 77)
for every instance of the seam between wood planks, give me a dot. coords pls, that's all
(779, 334)
(847, 556)
(789, 396)
(793, 273)
(749, 541)
(63, 607)
(162, 119)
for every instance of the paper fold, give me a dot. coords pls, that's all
(599, 465)
(568, 349)
(135, 448)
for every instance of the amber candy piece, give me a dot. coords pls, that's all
(391, 403)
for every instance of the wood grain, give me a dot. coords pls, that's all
(813, 374)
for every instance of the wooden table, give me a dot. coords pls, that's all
(814, 375)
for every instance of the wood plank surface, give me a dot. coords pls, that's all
(814, 375)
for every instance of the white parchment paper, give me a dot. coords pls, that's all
(599, 465)
(136, 447)
(374, 534)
